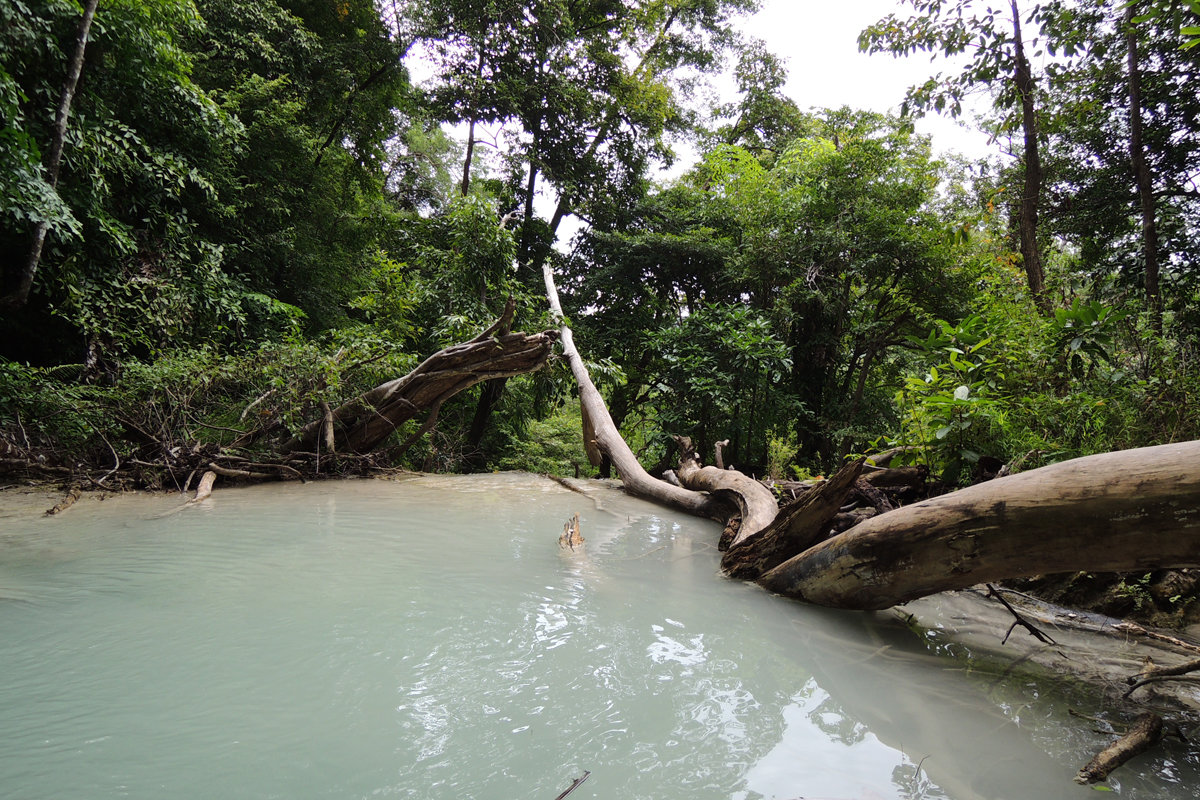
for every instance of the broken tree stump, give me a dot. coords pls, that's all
(798, 525)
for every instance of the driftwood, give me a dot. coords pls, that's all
(1147, 731)
(1153, 673)
(365, 422)
(73, 494)
(755, 503)
(798, 526)
(574, 785)
(1135, 510)
(571, 537)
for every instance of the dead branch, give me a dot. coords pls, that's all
(365, 422)
(755, 502)
(1018, 620)
(574, 785)
(72, 495)
(1153, 674)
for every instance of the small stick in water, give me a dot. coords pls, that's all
(574, 785)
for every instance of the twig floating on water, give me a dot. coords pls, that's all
(574, 785)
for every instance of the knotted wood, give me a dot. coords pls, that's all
(797, 526)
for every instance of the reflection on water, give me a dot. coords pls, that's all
(429, 639)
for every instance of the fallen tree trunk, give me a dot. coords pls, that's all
(1134, 510)
(608, 439)
(756, 506)
(365, 422)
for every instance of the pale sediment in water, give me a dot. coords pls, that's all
(429, 638)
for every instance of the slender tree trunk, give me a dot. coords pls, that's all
(566, 202)
(466, 177)
(493, 390)
(1032, 191)
(1141, 171)
(74, 69)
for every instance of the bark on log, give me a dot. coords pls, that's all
(1134, 510)
(755, 502)
(1146, 732)
(365, 422)
(796, 527)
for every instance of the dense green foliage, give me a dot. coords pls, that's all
(260, 210)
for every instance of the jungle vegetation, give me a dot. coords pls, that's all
(223, 215)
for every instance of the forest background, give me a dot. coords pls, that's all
(221, 216)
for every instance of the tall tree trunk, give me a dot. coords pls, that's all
(466, 177)
(1141, 172)
(74, 69)
(1032, 190)
(465, 187)
(493, 390)
(566, 202)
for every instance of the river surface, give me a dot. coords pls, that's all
(428, 638)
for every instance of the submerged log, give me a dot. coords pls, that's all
(1146, 732)
(365, 422)
(1134, 510)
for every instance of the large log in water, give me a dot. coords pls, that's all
(1134, 510)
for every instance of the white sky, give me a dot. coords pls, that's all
(819, 40)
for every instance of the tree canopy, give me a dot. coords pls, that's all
(284, 201)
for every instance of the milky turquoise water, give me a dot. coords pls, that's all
(428, 638)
